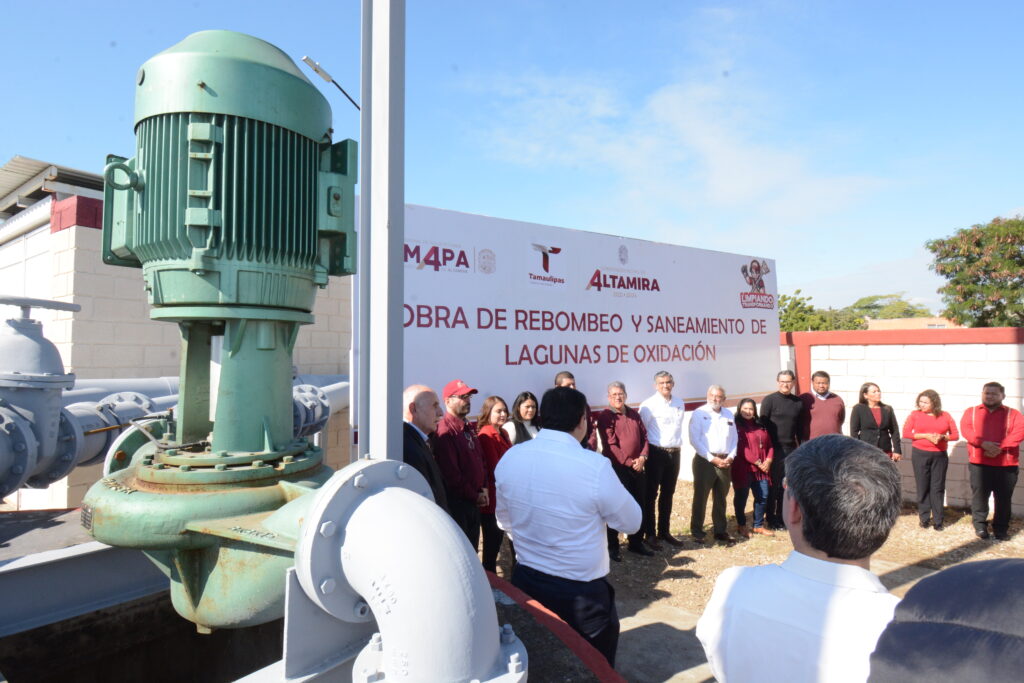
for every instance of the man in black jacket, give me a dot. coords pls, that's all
(783, 414)
(422, 411)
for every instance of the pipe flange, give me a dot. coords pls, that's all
(130, 400)
(69, 439)
(126, 445)
(310, 409)
(19, 451)
(318, 556)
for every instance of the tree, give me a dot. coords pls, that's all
(984, 266)
(885, 306)
(796, 314)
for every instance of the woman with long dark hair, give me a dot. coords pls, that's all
(750, 470)
(523, 423)
(874, 422)
(932, 430)
(494, 442)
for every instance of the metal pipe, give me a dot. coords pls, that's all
(445, 580)
(359, 354)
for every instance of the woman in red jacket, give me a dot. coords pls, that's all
(494, 442)
(754, 453)
(932, 430)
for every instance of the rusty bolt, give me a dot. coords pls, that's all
(327, 586)
(337, 196)
(120, 455)
(328, 528)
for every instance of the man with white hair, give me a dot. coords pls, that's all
(421, 412)
(713, 437)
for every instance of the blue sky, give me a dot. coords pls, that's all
(833, 137)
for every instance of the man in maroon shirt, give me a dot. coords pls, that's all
(625, 444)
(825, 412)
(461, 461)
(993, 433)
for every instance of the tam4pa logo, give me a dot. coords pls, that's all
(437, 257)
(753, 275)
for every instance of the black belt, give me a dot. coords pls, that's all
(673, 451)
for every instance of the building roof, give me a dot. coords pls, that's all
(25, 181)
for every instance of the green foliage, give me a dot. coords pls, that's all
(797, 314)
(885, 306)
(984, 266)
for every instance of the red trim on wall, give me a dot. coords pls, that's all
(803, 341)
(590, 657)
(81, 211)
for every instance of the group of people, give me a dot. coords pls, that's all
(530, 472)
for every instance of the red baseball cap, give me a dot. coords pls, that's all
(457, 388)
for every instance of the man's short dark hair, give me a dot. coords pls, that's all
(995, 385)
(848, 492)
(787, 373)
(563, 408)
(564, 374)
(821, 373)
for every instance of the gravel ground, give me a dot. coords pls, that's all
(685, 577)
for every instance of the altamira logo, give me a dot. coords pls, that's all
(635, 283)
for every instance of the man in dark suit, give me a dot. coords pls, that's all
(422, 411)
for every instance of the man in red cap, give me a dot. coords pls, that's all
(459, 456)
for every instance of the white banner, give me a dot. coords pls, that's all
(505, 305)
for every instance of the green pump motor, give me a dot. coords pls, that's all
(237, 207)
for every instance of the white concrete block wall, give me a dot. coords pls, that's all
(956, 371)
(113, 337)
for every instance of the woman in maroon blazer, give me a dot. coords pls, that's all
(494, 442)
(750, 469)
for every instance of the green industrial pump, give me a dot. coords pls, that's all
(237, 207)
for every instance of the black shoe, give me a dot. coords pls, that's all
(925, 524)
(939, 527)
(652, 543)
(1002, 536)
(981, 533)
(699, 536)
(639, 549)
(671, 540)
(725, 537)
(615, 555)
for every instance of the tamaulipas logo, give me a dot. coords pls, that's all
(753, 275)
(547, 278)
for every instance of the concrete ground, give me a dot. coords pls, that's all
(678, 656)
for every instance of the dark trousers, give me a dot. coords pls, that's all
(708, 479)
(998, 481)
(636, 483)
(492, 540)
(587, 606)
(930, 476)
(662, 471)
(467, 515)
(777, 474)
(739, 502)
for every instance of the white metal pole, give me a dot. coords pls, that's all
(382, 433)
(359, 362)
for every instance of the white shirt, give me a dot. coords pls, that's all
(663, 420)
(713, 433)
(510, 429)
(803, 620)
(554, 500)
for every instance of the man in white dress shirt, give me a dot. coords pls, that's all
(713, 437)
(554, 499)
(662, 415)
(818, 615)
